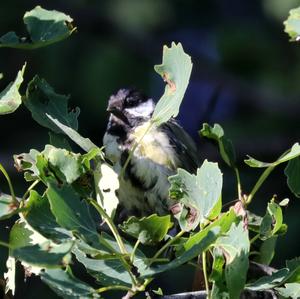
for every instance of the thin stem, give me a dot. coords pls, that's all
(110, 224)
(4, 244)
(110, 288)
(254, 239)
(239, 186)
(133, 150)
(137, 243)
(165, 246)
(30, 188)
(204, 269)
(12, 192)
(258, 184)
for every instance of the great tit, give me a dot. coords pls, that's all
(161, 150)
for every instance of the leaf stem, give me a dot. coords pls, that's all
(30, 188)
(115, 287)
(137, 243)
(134, 148)
(204, 269)
(12, 192)
(111, 225)
(258, 184)
(239, 186)
(4, 244)
(254, 238)
(164, 247)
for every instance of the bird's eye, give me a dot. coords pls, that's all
(130, 102)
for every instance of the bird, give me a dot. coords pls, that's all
(157, 153)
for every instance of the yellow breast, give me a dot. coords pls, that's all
(154, 145)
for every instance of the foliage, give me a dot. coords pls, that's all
(58, 223)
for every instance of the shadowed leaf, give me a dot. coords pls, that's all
(44, 27)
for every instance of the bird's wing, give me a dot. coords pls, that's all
(183, 144)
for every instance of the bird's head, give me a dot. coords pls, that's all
(130, 107)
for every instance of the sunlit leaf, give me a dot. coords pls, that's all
(235, 246)
(10, 275)
(10, 98)
(7, 207)
(107, 271)
(175, 70)
(292, 24)
(225, 145)
(41, 100)
(217, 276)
(272, 221)
(205, 239)
(44, 27)
(289, 155)
(292, 171)
(290, 290)
(197, 194)
(84, 143)
(68, 165)
(65, 284)
(27, 162)
(290, 274)
(106, 184)
(148, 230)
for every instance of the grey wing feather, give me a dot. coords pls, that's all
(184, 145)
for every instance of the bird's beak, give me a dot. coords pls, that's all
(117, 113)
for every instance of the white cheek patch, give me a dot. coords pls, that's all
(143, 110)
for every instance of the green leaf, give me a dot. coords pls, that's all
(71, 212)
(175, 70)
(292, 171)
(27, 162)
(272, 221)
(225, 145)
(41, 100)
(44, 27)
(20, 235)
(197, 194)
(205, 239)
(65, 284)
(267, 251)
(292, 24)
(219, 289)
(290, 290)
(64, 163)
(10, 98)
(41, 219)
(289, 155)
(44, 255)
(290, 274)
(7, 207)
(224, 222)
(84, 143)
(106, 271)
(235, 246)
(269, 282)
(148, 230)
(59, 141)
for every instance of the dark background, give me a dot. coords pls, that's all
(245, 76)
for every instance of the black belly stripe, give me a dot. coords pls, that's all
(136, 181)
